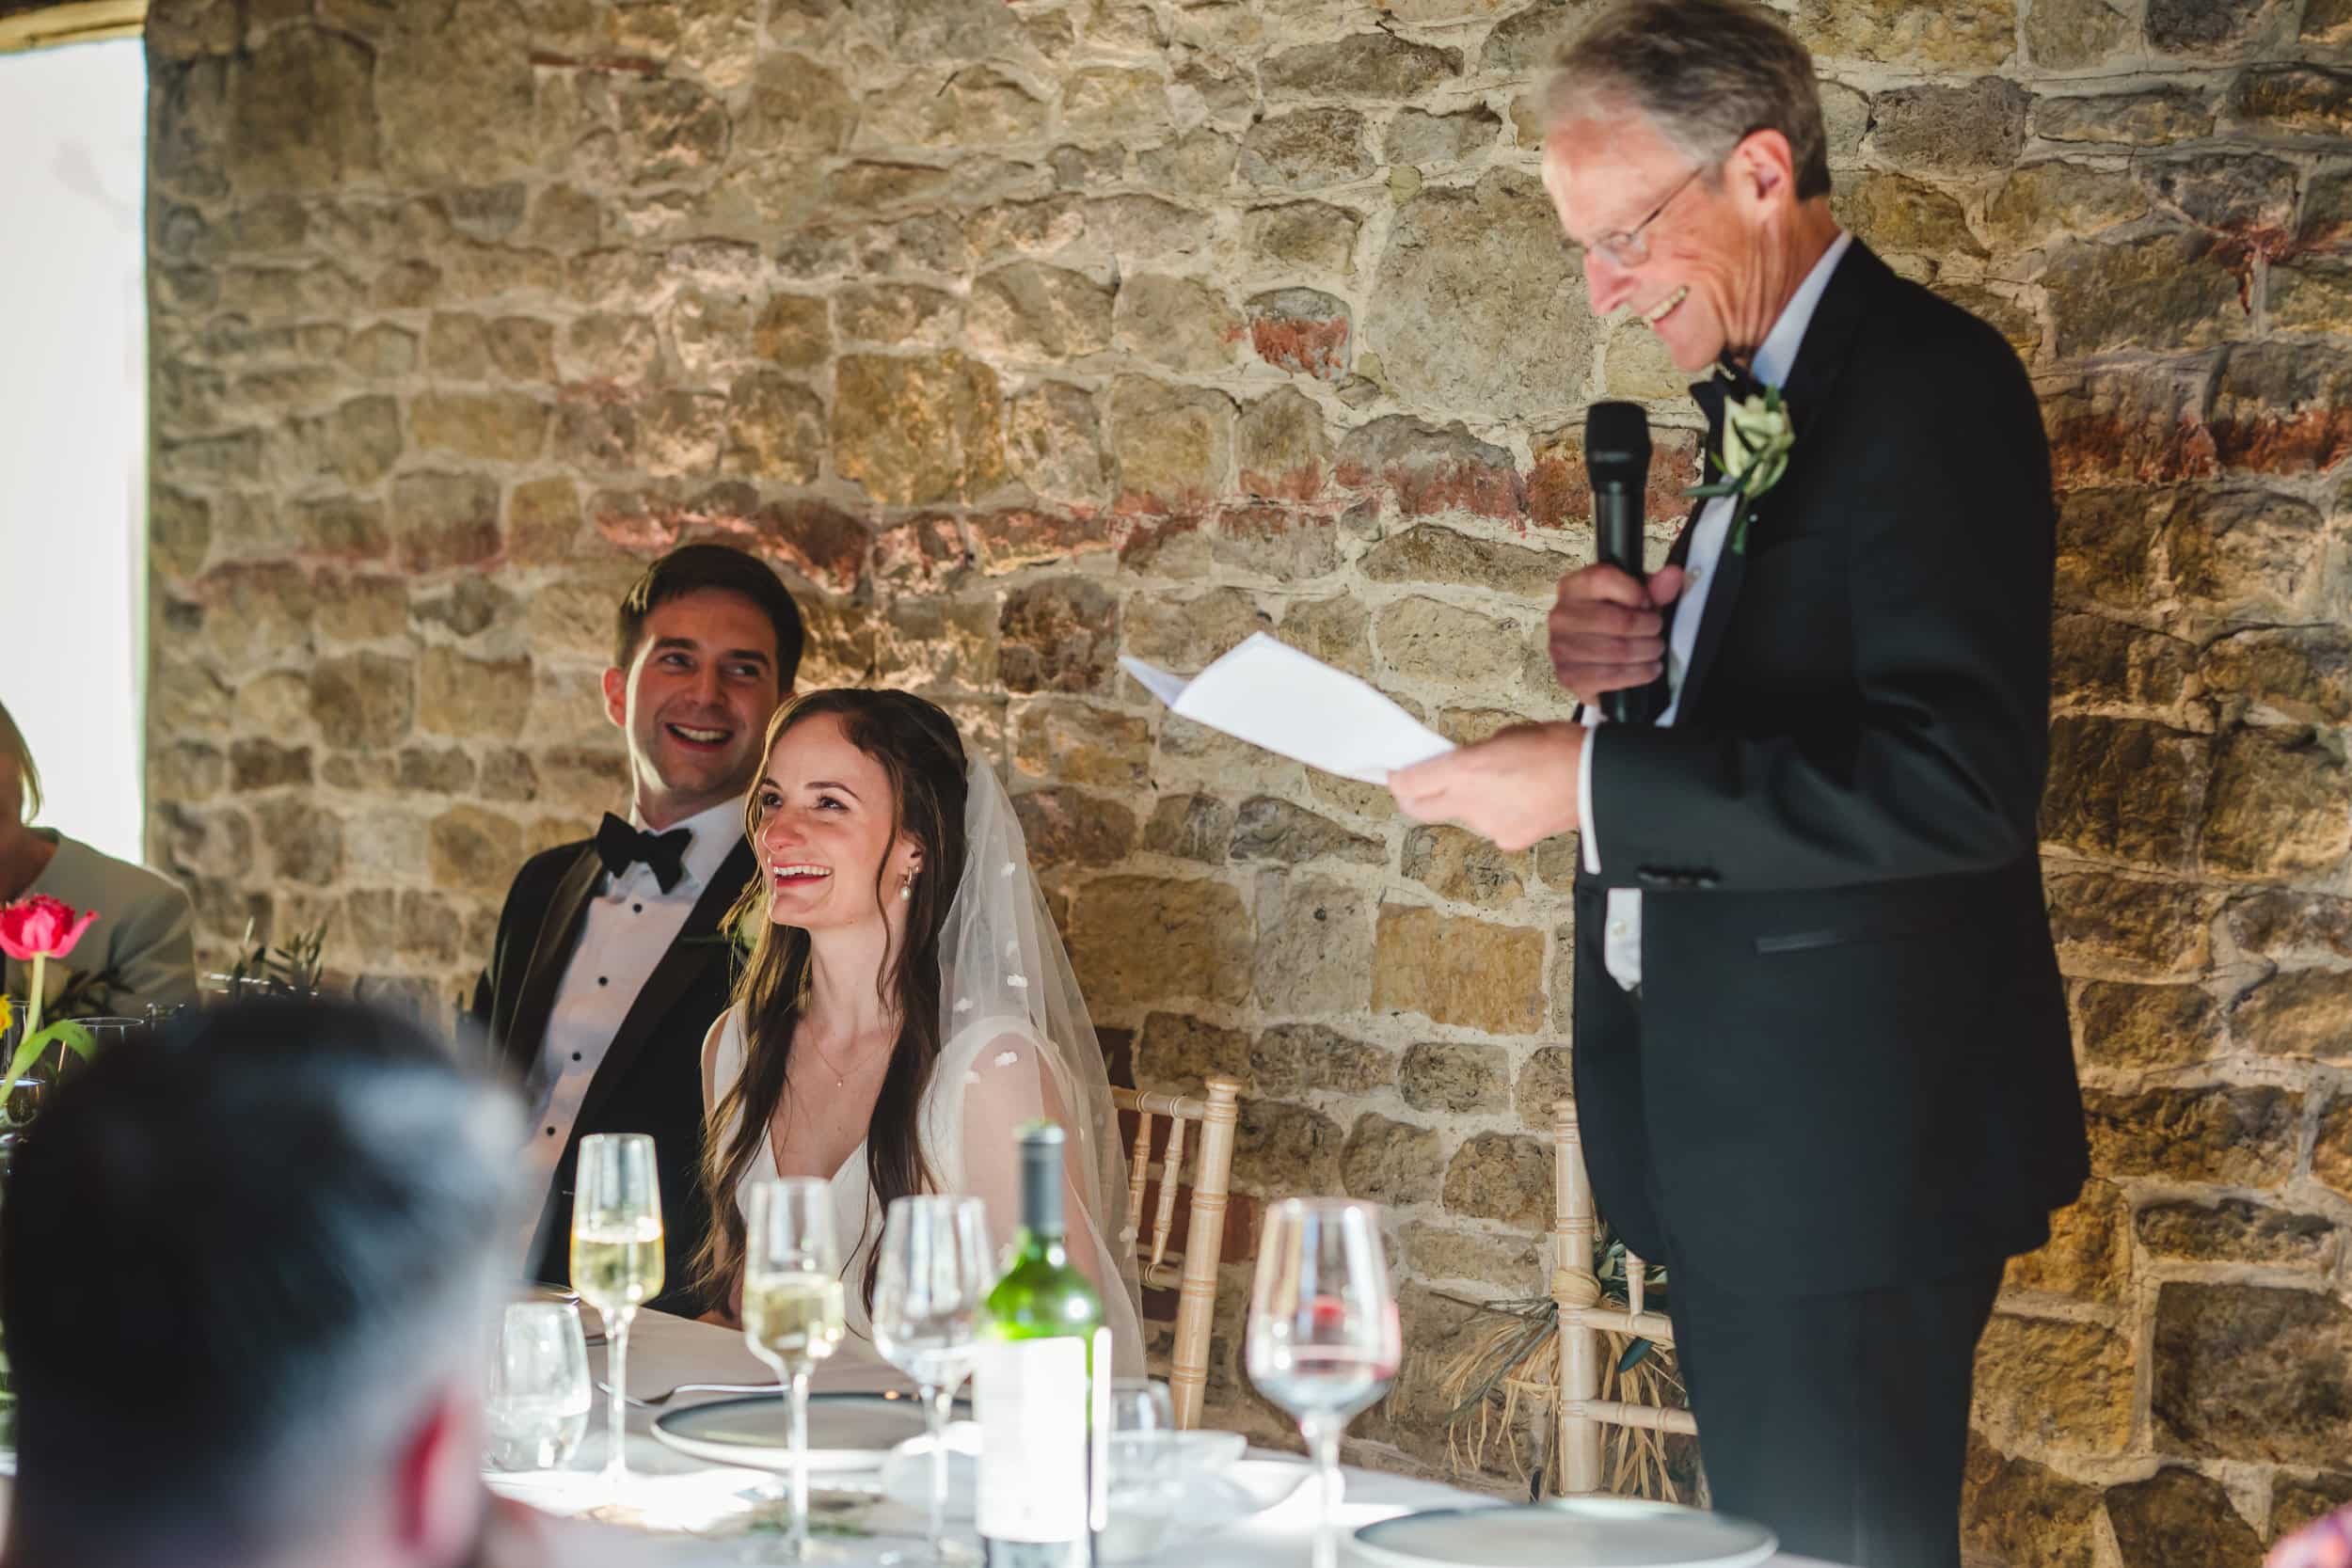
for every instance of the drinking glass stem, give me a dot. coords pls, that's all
(1323, 1442)
(935, 1412)
(798, 1396)
(616, 1417)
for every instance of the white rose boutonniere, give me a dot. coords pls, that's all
(1757, 437)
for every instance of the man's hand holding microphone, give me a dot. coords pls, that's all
(1608, 640)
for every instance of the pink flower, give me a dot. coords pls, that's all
(2322, 1544)
(41, 928)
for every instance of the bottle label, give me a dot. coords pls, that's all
(1031, 1396)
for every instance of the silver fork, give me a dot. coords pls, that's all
(658, 1401)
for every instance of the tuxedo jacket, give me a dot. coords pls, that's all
(650, 1081)
(1849, 1065)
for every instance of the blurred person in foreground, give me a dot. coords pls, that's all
(245, 1279)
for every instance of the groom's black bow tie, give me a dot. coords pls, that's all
(1733, 380)
(620, 845)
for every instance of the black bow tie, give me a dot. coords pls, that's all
(620, 846)
(1732, 380)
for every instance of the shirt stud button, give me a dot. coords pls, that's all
(602, 980)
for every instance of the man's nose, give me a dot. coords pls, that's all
(1606, 284)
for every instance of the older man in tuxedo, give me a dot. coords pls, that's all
(1820, 1042)
(609, 962)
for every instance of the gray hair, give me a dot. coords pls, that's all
(1706, 73)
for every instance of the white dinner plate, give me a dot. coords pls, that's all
(846, 1432)
(1567, 1533)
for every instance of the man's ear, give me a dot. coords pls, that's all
(616, 696)
(438, 1496)
(1764, 166)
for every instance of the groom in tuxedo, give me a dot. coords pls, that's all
(609, 962)
(1821, 1045)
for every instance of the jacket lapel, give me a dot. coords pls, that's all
(534, 1001)
(690, 960)
(1827, 343)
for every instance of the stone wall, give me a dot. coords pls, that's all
(1023, 335)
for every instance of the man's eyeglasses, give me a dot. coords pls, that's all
(1629, 247)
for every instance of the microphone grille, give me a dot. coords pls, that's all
(1616, 443)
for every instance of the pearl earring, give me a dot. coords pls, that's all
(906, 889)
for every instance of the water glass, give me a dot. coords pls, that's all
(618, 1262)
(536, 1398)
(934, 1272)
(1324, 1339)
(792, 1312)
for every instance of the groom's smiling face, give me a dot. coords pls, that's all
(1693, 278)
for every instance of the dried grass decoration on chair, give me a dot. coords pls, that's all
(1506, 1358)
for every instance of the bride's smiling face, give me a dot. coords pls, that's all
(826, 825)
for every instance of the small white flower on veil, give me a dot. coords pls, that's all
(1006, 870)
(1018, 982)
(964, 1004)
(970, 1077)
(1006, 1058)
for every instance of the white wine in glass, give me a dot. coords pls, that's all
(792, 1303)
(616, 1259)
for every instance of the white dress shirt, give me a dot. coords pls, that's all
(629, 924)
(1621, 941)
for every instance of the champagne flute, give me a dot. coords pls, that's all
(933, 1273)
(616, 1259)
(793, 1307)
(1323, 1337)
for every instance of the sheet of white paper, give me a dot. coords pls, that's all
(1293, 704)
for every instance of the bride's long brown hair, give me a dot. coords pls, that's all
(918, 749)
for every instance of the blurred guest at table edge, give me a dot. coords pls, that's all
(1821, 1045)
(142, 946)
(244, 1274)
(609, 961)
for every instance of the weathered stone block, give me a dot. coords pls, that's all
(1393, 1162)
(1454, 1079)
(1032, 311)
(2277, 805)
(364, 701)
(1303, 1059)
(461, 696)
(2088, 1253)
(1314, 236)
(2122, 787)
(302, 112)
(1458, 971)
(2295, 99)
(1367, 65)
(472, 851)
(1431, 470)
(2107, 661)
(917, 429)
(1501, 1176)
(1896, 214)
(975, 106)
(1176, 322)
(1189, 827)
(1477, 303)
(2051, 1383)
(1267, 828)
(1891, 32)
(2233, 1133)
(2072, 35)
(2247, 1371)
(1462, 866)
(1281, 1150)
(1282, 447)
(2155, 929)
(1439, 141)
(2283, 408)
(1314, 947)
(1300, 329)
(2149, 119)
(1053, 442)
(494, 427)
(1071, 828)
(2114, 427)
(2025, 1514)
(2053, 199)
(1962, 130)
(2207, 26)
(2176, 1516)
(1061, 635)
(2126, 1025)
(2231, 1230)
(1174, 445)
(1184, 1052)
(1306, 149)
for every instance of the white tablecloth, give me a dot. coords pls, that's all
(681, 1505)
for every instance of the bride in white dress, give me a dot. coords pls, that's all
(907, 1004)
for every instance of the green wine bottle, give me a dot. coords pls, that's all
(1042, 1390)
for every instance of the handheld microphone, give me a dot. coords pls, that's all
(1616, 457)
